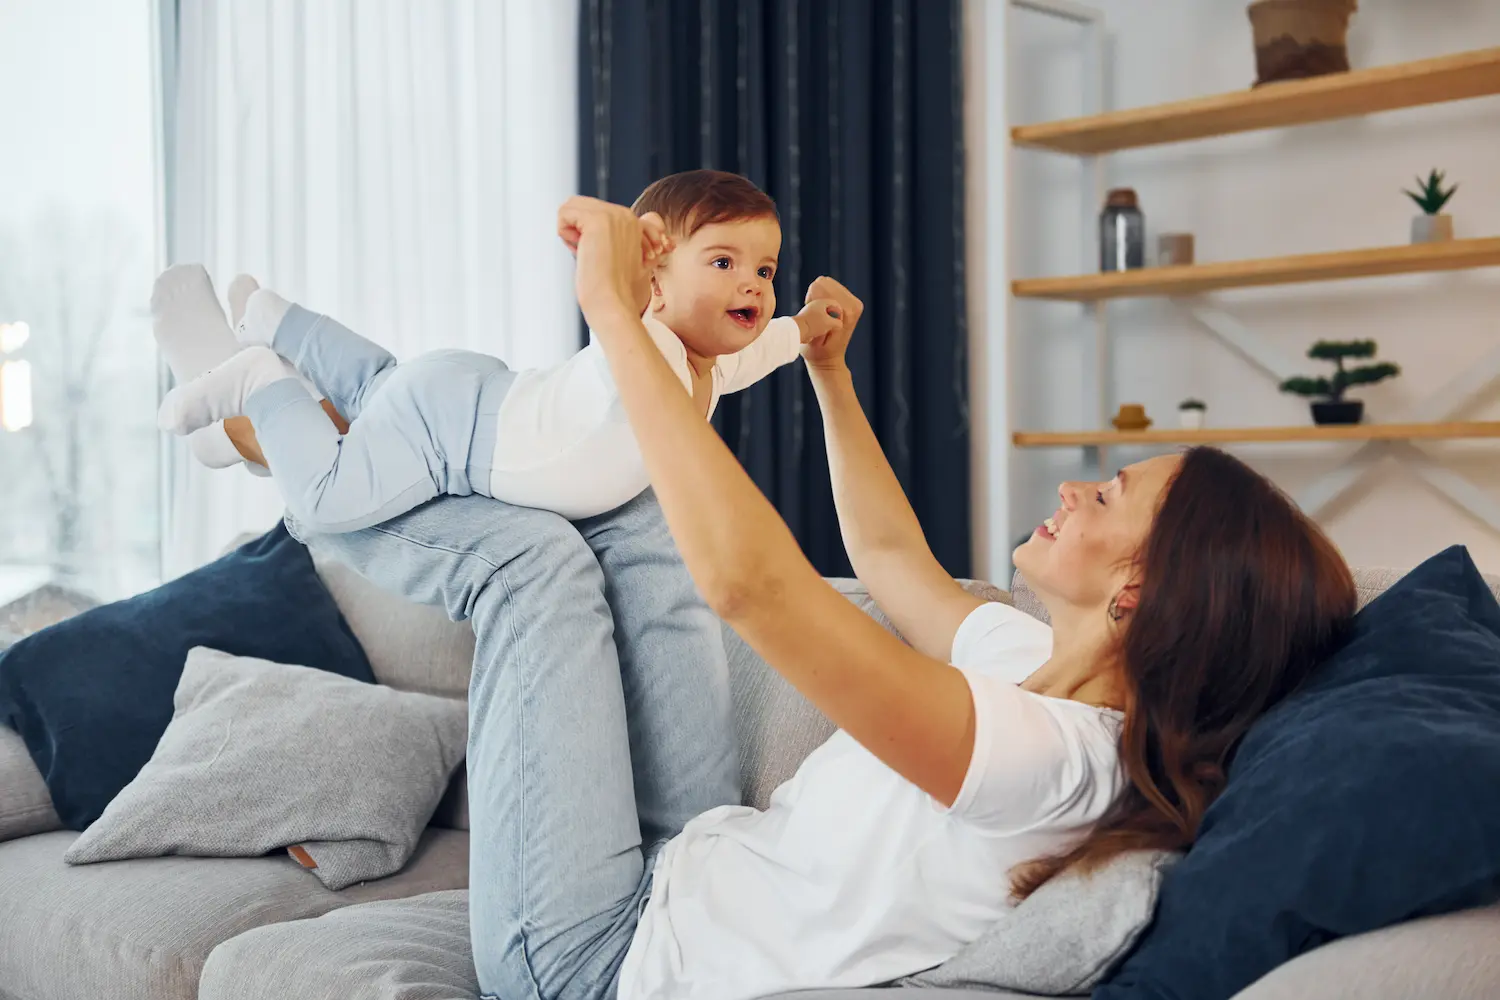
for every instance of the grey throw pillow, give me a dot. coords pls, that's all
(262, 756)
(25, 805)
(1066, 936)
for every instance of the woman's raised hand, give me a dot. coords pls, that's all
(616, 251)
(827, 349)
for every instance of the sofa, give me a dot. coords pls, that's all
(256, 928)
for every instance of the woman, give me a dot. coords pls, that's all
(1187, 595)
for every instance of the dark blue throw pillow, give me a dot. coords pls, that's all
(92, 695)
(1365, 799)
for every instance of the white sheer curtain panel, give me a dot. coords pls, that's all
(394, 163)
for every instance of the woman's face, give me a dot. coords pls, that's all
(1084, 554)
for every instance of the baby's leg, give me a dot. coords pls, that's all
(410, 444)
(345, 367)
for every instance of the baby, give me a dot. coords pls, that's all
(457, 422)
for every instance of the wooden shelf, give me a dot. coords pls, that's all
(1294, 102)
(1230, 435)
(1190, 279)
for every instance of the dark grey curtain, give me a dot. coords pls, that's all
(848, 113)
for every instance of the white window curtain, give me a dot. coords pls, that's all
(394, 163)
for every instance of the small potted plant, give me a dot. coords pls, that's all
(1190, 413)
(1433, 225)
(1332, 407)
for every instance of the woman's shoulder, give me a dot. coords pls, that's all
(1001, 639)
(1038, 760)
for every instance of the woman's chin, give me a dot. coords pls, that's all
(1028, 556)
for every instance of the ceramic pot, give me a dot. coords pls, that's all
(1132, 417)
(1296, 39)
(1174, 249)
(1432, 228)
(1192, 420)
(1348, 411)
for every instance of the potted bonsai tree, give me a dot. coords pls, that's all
(1190, 413)
(1433, 225)
(1332, 407)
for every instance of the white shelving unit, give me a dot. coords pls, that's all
(1099, 131)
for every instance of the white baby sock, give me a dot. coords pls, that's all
(192, 336)
(264, 311)
(187, 322)
(240, 289)
(220, 392)
(211, 447)
(256, 313)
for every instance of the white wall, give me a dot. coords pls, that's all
(1320, 187)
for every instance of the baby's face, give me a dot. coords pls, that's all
(714, 291)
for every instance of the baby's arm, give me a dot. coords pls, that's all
(780, 344)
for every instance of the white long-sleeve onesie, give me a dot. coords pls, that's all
(563, 441)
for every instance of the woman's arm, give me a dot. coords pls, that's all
(884, 540)
(912, 711)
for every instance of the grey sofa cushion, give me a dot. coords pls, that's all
(1453, 957)
(1066, 936)
(410, 949)
(261, 756)
(25, 805)
(412, 647)
(141, 930)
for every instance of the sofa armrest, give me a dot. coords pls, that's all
(1453, 956)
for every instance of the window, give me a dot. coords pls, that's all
(80, 481)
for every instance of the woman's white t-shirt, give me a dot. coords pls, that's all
(853, 876)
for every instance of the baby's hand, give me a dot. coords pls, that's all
(825, 349)
(819, 318)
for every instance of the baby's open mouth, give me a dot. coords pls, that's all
(745, 317)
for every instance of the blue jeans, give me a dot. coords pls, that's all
(418, 430)
(599, 720)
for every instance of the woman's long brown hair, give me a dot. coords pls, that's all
(1241, 597)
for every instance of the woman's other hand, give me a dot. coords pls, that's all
(616, 251)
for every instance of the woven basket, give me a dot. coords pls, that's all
(1296, 39)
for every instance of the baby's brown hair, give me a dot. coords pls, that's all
(696, 198)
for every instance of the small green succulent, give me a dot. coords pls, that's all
(1336, 351)
(1432, 197)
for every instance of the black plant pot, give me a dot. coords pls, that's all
(1349, 411)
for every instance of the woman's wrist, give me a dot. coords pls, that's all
(831, 371)
(609, 313)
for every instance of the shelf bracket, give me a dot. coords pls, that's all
(1240, 338)
(1315, 497)
(1462, 491)
(1453, 396)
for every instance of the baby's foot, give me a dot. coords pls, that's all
(212, 448)
(220, 392)
(240, 289)
(187, 322)
(255, 325)
(263, 312)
